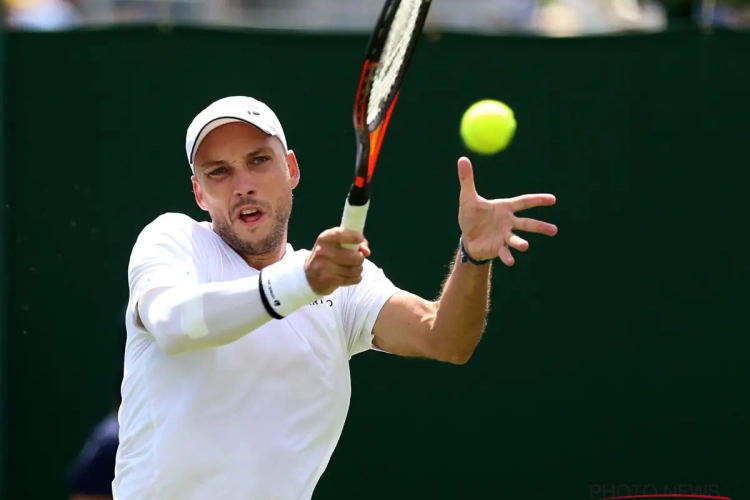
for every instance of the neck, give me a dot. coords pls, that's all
(259, 261)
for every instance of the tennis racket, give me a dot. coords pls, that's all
(388, 54)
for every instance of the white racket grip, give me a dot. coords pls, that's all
(354, 218)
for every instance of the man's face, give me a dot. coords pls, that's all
(244, 179)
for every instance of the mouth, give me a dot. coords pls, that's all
(250, 216)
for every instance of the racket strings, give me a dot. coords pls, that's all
(393, 56)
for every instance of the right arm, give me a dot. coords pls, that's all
(200, 316)
(184, 315)
(181, 312)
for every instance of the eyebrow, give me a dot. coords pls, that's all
(252, 154)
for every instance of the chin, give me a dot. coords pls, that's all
(250, 234)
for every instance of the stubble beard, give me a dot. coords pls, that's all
(281, 214)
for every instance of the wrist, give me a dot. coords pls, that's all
(284, 287)
(465, 257)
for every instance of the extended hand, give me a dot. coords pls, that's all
(487, 225)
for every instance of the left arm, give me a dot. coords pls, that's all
(450, 328)
(447, 329)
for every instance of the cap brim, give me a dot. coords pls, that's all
(218, 122)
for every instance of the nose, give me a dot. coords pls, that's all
(245, 184)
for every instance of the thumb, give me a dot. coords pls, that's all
(466, 179)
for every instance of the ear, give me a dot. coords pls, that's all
(293, 166)
(198, 194)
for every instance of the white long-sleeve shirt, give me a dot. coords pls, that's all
(256, 418)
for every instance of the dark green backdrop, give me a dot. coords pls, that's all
(3, 277)
(616, 353)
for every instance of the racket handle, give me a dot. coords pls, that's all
(354, 218)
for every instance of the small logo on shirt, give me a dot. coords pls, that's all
(321, 302)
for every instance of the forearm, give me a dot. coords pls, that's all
(189, 318)
(462, 309)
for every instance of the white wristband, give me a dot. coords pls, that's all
(284, 287)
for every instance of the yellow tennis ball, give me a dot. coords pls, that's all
(488, 126)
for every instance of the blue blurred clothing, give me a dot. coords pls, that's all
(93, 470)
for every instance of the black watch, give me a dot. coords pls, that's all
(465, 257)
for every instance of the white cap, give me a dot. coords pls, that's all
(228, 110)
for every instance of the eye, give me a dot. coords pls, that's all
(260, 160)
(217, 171)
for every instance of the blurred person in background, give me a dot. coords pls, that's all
(43, 15)
(91, 473)
(488, 16)
(591, 17)
(732, 14)
(147, 11)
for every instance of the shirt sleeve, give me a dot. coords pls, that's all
(362, 306)
(167, 253)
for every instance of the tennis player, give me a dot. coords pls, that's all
(236, 380)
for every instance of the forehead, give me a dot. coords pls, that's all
(231, 135)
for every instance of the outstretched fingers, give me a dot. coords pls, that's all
(534, 226)
(526, 201)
